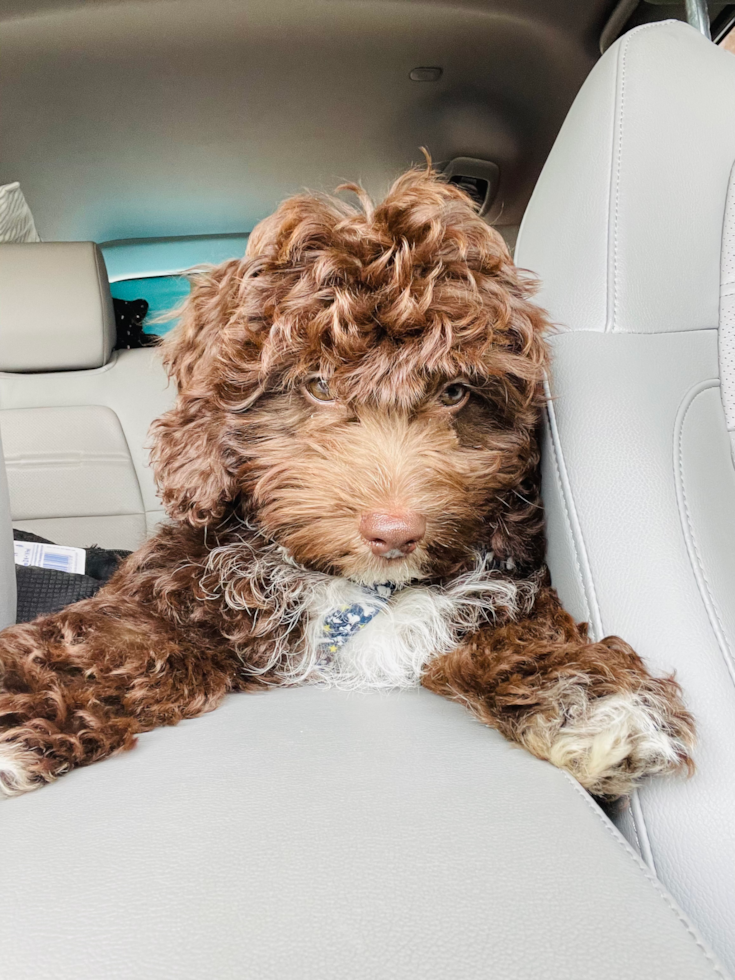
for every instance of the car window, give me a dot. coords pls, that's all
(154, 270)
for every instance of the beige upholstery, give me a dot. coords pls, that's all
(625, 230)
(75, 440)
(311, 834)
(7, 560)
(727, 311)
(72, 467)
(55, 307)
(75, 445)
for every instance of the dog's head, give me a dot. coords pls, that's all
(364, 386)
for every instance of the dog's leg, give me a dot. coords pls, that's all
(589, 708)
(78, 685)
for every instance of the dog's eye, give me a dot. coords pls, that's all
(319, 389)
(454, 395)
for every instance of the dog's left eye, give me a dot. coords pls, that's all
(319, 389)
(454, 395)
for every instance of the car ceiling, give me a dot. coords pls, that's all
(172, 117)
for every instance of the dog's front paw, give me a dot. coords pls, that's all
(610, 743)
(21, 769)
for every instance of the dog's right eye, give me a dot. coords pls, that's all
(319, 389)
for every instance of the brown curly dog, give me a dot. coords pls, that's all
(352, 475)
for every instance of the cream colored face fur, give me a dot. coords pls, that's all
(315, 472)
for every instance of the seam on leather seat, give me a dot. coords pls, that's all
(657, 333)
(618, 121)
(18, 461)
(102, 369)
(575, 532)
(695, 558)
(727, 290)
(650, 877)
(641, 830)
(75, 517)
(613, 203)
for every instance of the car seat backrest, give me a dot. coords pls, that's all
(625, 230)
(74, 414)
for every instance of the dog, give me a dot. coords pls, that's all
(351, 472)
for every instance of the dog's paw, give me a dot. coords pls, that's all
(610, 743)
(19, 770)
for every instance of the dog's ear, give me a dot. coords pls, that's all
(194, 469)
(216, 357)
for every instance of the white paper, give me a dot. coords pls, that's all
(16, 220)
(56, 556)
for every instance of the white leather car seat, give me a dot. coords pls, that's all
(74, 414)
(304, 834)
(631, 230)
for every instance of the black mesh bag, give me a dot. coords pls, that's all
(45, 590)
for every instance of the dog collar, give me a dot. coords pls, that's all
(342, 624)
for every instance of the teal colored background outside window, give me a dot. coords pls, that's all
(152, 269)
(162, 293)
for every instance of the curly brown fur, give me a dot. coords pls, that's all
(386, 304)
(590, 708)
(391, 311)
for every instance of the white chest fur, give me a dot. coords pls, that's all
(419, 623)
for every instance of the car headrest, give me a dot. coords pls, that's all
(624, 228)
(55, 307)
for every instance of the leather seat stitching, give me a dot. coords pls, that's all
(621, 67)
(76, 517)
(569, 525)
(577, 540)
(695, 556)
(640, 829)
(618, 134)
(650, 877)
(79, 457)
(727, 289)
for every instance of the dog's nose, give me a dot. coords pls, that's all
(392, 535)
